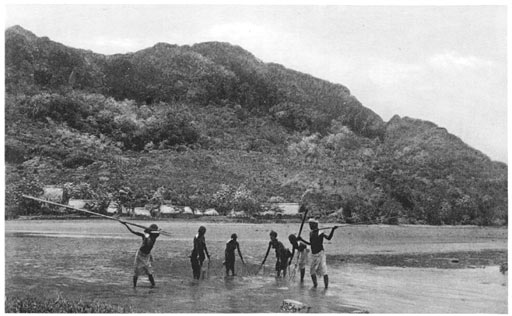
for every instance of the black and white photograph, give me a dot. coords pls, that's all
(287, 157)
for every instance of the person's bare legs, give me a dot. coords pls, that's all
(313, 277)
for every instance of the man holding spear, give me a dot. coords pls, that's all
(93, 213)
(318, 261)
(143, 257)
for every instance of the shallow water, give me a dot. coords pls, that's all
(93, 260)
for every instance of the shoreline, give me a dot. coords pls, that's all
(441, 260)
(286, 219)
(175, 218)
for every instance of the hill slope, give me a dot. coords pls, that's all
(219, 128)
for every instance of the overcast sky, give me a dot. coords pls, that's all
(445, 64)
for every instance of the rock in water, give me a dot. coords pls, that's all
(291, 306)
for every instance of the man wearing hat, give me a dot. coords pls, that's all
(143, 257)
(318, 261)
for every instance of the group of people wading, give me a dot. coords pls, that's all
(284, 257)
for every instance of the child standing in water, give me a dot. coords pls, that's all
(302, 255)
(143, 257)
(229, 254)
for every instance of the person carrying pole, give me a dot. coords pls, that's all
(318, 261)
(229, 254)
(143, 257)
(198, 254)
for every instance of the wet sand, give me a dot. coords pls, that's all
(378, 269)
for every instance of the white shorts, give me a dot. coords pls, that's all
(302, 258)
(142, 264)
(318, 264)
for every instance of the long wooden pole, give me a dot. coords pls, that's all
(94, 213)
(326, 227)
(303, 221)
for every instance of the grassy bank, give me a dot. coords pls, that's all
(31, 304)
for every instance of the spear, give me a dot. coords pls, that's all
(327, 227)
(94, 213)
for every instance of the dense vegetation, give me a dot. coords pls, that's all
(30, 304)
(212, 126)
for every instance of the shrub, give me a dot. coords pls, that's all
(30, 304)
(392, 211)
(77, 160)
(291, 115)
(307, 148)
(80, 190)
(222, 199)
(16, 204)
(15, 151)
(55, 106)
(51, 151)
(244, 200)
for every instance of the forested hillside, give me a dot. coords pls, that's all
(216, 127)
